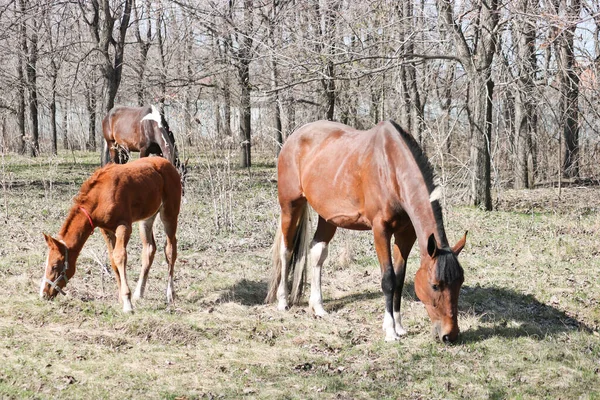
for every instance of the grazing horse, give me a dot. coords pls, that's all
(112, 199)
(141, 129)
(377, 180)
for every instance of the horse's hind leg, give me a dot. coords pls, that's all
(290, 216)
(122, 234)
(148, 251)
(169, 220)
(318, 254)
(110, 239)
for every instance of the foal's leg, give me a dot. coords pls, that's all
(290, 214)
(122, 234)
(318, 254)
(382, 238)
(148, 251)
(110, 240)
(403, 242)
(169, 220)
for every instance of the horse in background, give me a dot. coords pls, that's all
(112, 199)
(377, 180)
(139, 129)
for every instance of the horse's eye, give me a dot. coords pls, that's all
(435, 287)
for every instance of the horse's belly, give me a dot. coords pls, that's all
(346, 219)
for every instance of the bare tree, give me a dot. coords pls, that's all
(476, 56)
(524, 35)
(101, 19)
(568, 13)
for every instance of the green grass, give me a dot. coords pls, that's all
(529, 308)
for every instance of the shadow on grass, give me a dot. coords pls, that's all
(246, 292)
(501, 312)
(506, 313)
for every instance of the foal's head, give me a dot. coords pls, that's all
(437, 284)
(57, 269)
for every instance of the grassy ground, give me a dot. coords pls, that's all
(530, 305)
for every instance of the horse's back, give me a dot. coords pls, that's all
(142, 186)
(121, 123)
(340, 170)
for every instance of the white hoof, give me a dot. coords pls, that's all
(170, 297)
(318, 310)
(392, 337)
(400, 330)
(127, 308)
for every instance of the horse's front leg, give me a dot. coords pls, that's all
(403, 242)
(382, 238)
(122, 235)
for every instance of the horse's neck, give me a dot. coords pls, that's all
(422, 207)
(75, 231)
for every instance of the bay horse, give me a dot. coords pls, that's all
(140, 129)
(112, 199)
(377, 180)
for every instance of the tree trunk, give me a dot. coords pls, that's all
(481, 89)
(163, 63)
(31, 70)
(144, 47)
(245, 114)
(91, 109)
(112, 65)
(477, 61)
(243, 57)
(64, 125)
(569, 86)
(53, 122)
(22, 82)
(524, 38)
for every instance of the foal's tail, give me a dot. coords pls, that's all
(299, 259)
(105, 157)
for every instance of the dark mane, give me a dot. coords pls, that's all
(428, 176)
(419, 156)
(448, 268)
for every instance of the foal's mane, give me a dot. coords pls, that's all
(448, 269)
(91, 182)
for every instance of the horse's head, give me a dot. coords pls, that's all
(437, 284)
(57, 270)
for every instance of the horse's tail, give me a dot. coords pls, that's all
(299, 259)
(105, 156)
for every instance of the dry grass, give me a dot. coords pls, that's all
(530, 306)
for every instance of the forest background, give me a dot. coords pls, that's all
(499, 94)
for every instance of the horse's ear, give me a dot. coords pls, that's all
(432, 247)
(460, 244)
(51, 241)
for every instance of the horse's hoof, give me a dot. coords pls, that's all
(319, 311)
(392, 338)
(400, 330)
